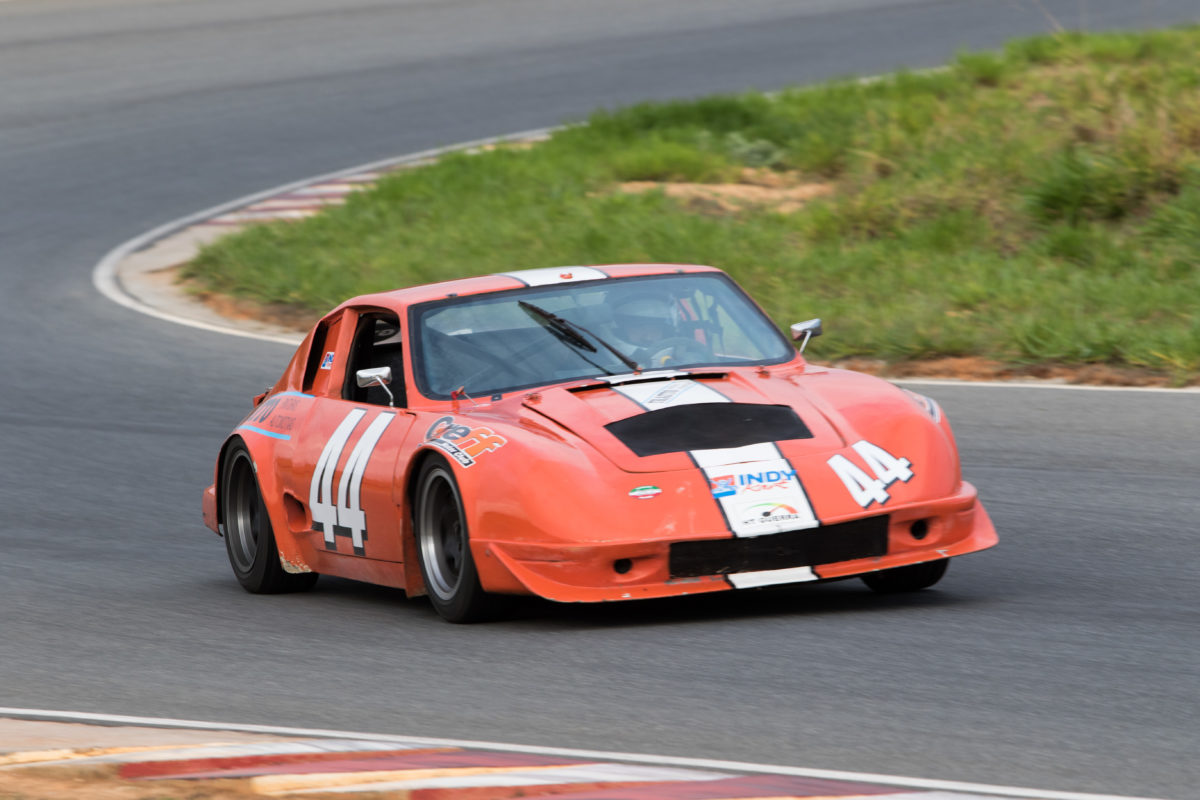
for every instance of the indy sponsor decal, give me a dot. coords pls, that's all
(327, 361)
(645, 492)
(761, 497)
(341, 514)
(749, 482)
(886, 467)
(462, 443)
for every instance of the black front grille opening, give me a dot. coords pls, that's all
(828, 544)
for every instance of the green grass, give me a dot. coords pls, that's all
(1038, 204)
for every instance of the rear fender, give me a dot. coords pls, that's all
(291, 552)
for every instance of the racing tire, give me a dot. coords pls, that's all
(249, 537)
(444, 546)
(906, 579)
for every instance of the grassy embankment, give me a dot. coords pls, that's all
(1035, 206)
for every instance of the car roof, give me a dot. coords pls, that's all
(399, 299)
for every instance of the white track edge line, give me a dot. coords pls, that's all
(1019, 384)
(638, 758)
(107, 282)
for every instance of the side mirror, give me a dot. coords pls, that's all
(376, 376)
(806, 330)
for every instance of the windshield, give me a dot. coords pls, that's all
(493, 343)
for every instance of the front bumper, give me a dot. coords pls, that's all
(596, 572)
(208, 505)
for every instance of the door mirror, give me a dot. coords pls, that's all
(376, 376)
(805, 331)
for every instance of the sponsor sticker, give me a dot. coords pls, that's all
(768, 514)
(667, 393)
(463, 443)
(645, 492)
(723, 485)
(327, 361)
(752, 481)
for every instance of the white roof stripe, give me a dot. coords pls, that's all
(549, 275)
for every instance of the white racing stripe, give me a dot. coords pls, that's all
(668, 394)
(546, 276)
(772, 577)
(756, 487)
(764, 451)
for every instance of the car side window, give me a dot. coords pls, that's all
(322, 369)
(377, 343)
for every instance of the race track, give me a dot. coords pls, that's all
(1064, 659)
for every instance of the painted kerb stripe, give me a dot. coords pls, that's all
(594, 755)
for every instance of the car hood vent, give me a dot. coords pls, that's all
(707, 426)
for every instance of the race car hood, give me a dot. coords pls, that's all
(657, 423)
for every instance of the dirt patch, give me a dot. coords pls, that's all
(103, 783)
(292, 317)
(782, 192)
(974, 368)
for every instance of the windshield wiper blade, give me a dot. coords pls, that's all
(571, 331)
(559, 325)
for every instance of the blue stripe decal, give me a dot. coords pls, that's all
(293, 394)
(272, 434)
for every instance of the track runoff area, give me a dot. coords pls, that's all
(282, 761)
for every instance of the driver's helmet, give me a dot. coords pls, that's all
(643, 319)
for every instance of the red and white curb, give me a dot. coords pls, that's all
(125, 274)
(316, 760)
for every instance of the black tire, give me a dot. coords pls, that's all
(443, 546)
(907, 579)
(249, 538)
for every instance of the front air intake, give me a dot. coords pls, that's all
(828, 544)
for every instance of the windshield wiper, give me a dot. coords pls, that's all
(571, 333)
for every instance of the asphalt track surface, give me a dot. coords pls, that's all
(1064, 659)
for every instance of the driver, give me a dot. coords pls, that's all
(645, 323)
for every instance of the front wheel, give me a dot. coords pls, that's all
(444, 547)
(906, 579)
(249, 539)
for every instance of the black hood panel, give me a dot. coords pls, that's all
(707, 426)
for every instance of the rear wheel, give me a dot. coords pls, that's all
(443, 545)
(907, 579)
(249, 539)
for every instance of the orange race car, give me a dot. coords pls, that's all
(583, 434)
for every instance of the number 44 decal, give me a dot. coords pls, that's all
(862, 487)
(342, 514)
